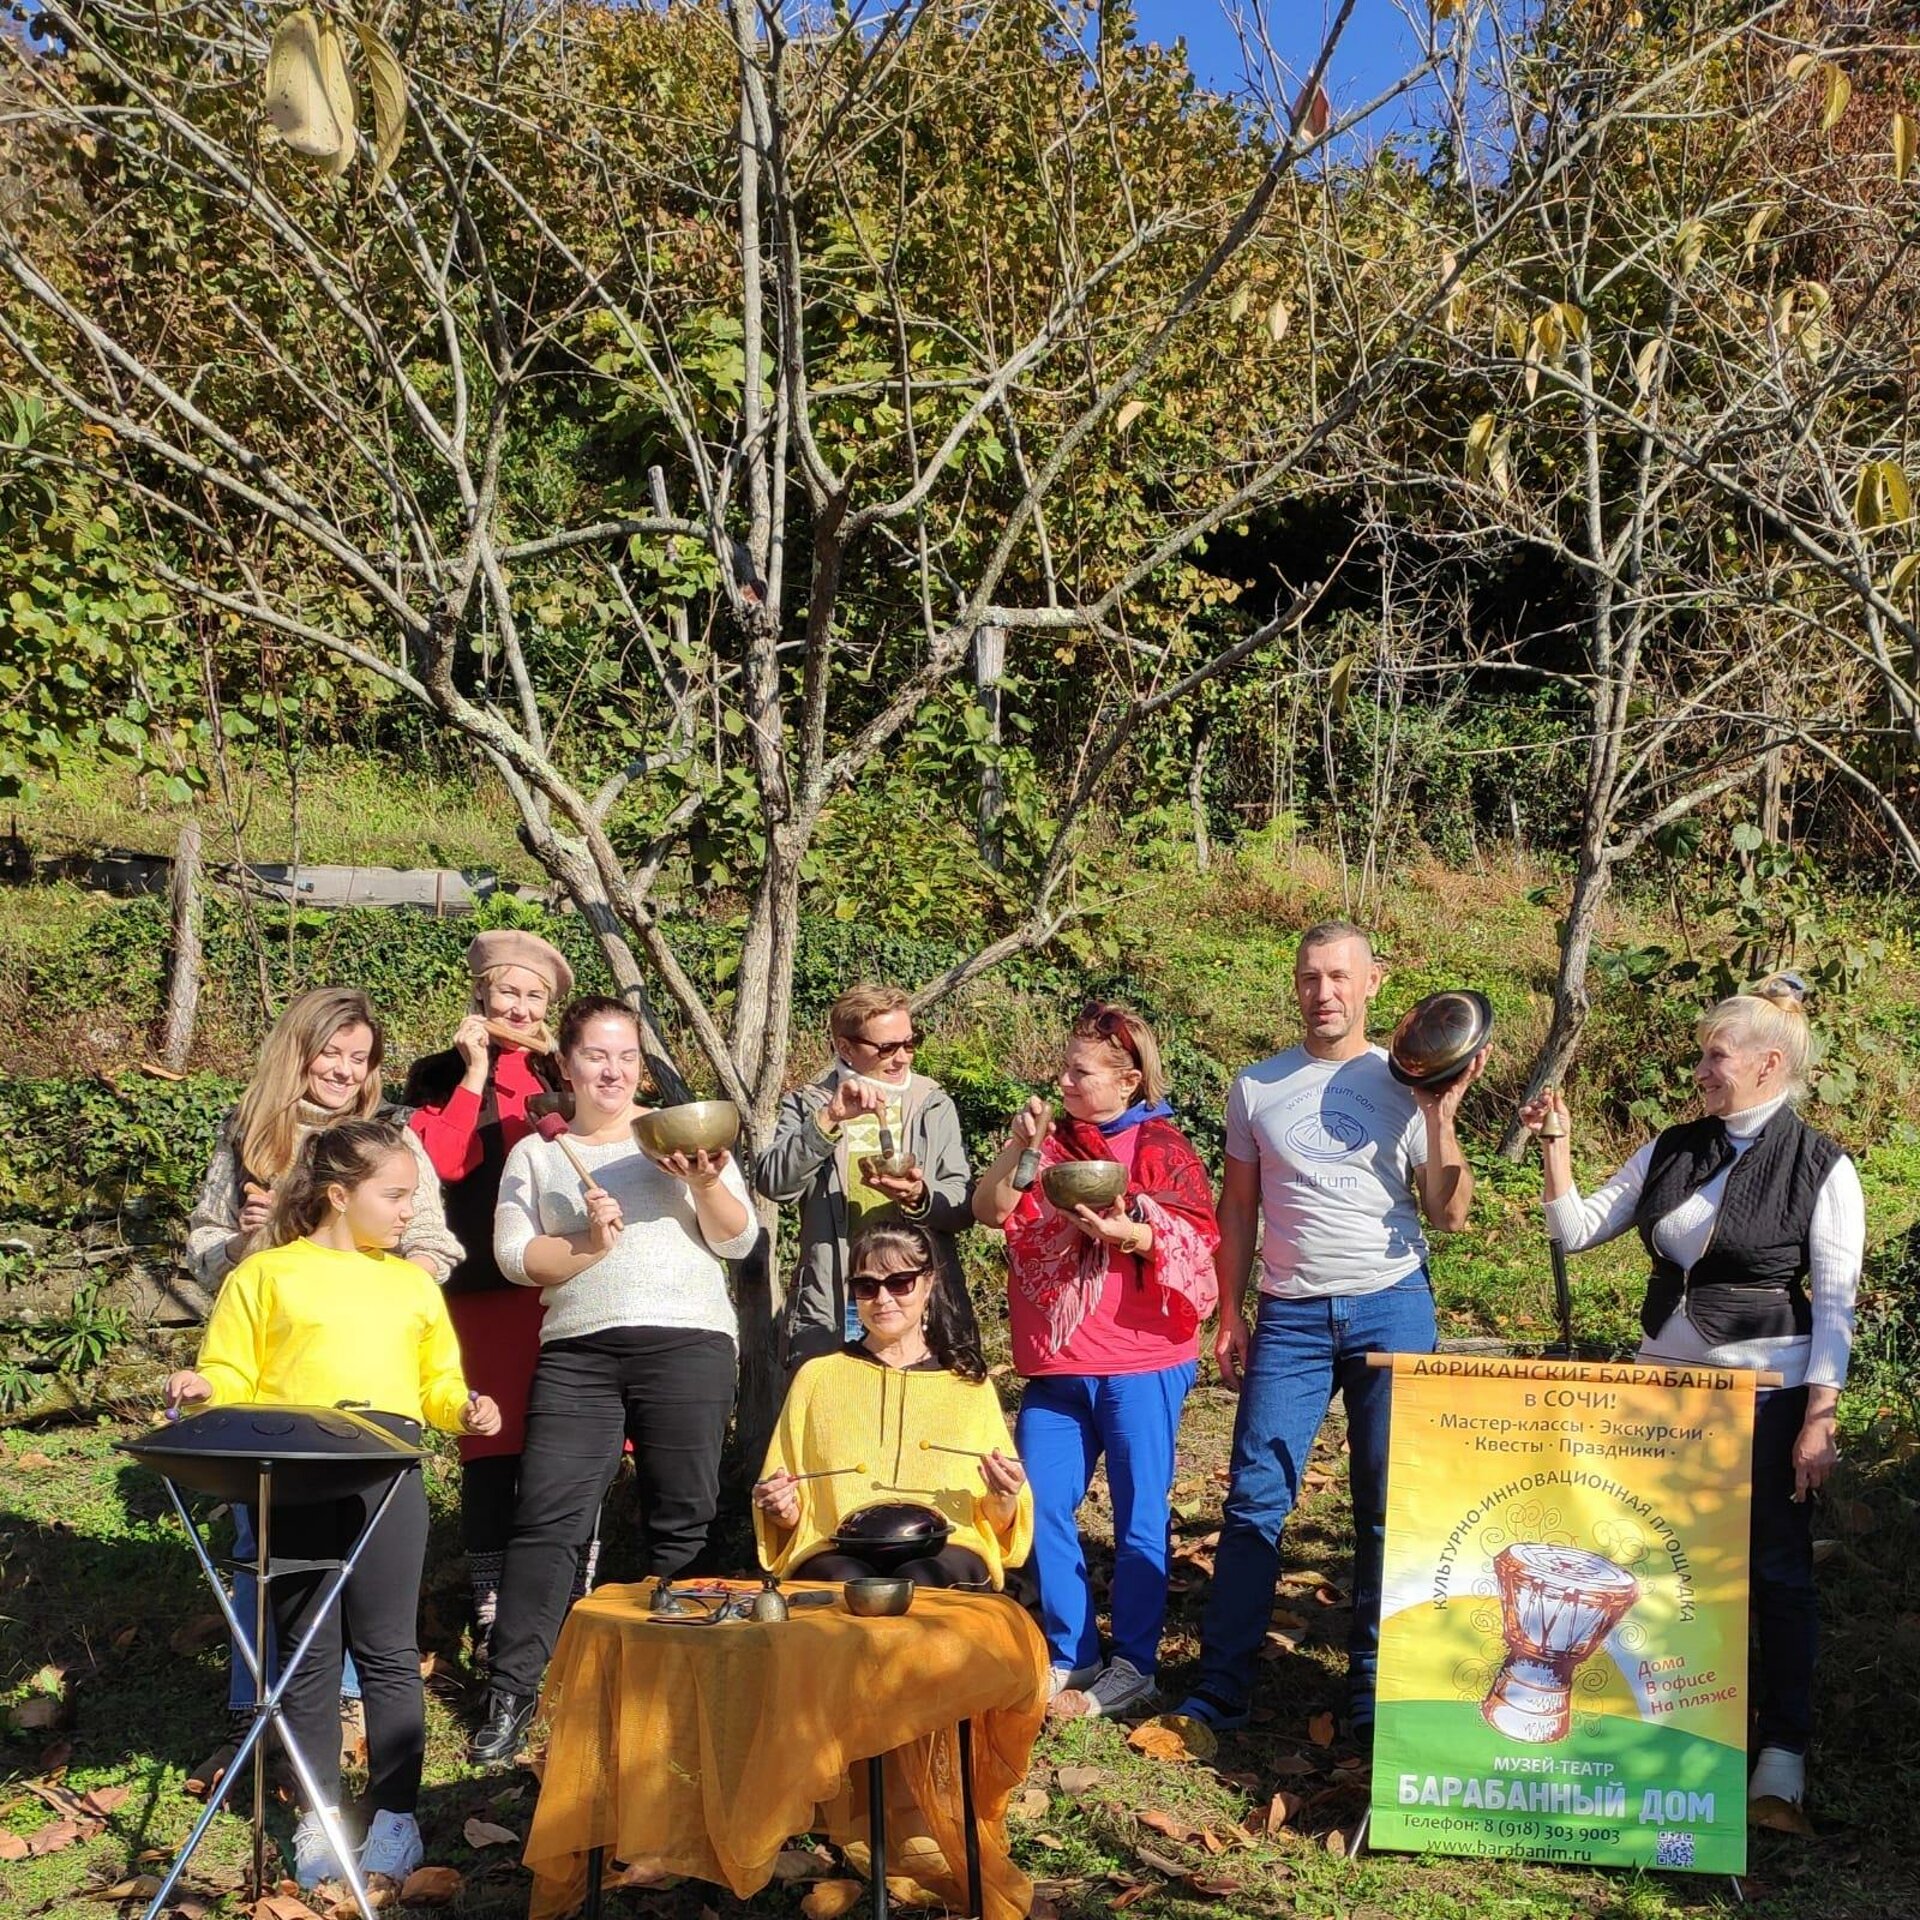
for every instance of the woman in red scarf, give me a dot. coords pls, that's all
(1106, 1311)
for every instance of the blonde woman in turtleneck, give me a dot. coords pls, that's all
(1755, 1228)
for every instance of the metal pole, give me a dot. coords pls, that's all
(970, 1820)
(263, 1558)
(877, 1832)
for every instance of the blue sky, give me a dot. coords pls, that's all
(1378, 45)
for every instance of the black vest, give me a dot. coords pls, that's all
(470, 1202)
(1750, 1283)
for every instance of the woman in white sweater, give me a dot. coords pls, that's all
(638, 1343)
(1755, 1228)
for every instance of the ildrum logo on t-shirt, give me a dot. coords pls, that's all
(1326, 1135)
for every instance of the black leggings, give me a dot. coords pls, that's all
(671, 1391)
(379, 1612)
(488, 1487)
(950, 1567)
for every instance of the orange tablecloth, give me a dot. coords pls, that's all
(701, 1750)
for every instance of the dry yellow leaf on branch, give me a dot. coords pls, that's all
(387, 80)
(1906, 135)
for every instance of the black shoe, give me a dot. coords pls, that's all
(502, 1728)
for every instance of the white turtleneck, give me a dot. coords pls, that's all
(1836, 1245)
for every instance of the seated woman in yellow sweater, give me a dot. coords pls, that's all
(905, 1414)
(327, 1312)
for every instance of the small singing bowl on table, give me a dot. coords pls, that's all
(698, 1126)
(876, 1597)
(1084, 1183)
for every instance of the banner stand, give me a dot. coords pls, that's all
(1563, 1637)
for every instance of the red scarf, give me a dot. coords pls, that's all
(1062, 1270)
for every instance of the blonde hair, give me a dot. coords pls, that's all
(1769, 1017)
(267, 1119)
(540, 1040)
(859, 1004)
(1126, 1035)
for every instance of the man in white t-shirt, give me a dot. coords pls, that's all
(1337, 1161)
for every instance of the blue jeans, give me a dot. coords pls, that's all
(1301, 1351)
(240, 1693)
(1067, 1420)
(1786, 1613)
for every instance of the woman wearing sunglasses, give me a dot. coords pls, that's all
(827, 1154)
(904, 1413)
(1105, 1311)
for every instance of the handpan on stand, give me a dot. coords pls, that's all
(272, 1457)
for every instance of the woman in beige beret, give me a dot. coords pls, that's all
(469, 1107)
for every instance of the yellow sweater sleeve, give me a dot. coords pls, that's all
(231, 1348)
(1015, 1540)
(443, 1382)
(786, 1453)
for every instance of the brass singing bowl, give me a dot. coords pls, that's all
(1084, 1183)
(894, 1166)
(1437, 1038)
(874, 1597)
(700, 1126)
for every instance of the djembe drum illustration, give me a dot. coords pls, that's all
(1557, 1604)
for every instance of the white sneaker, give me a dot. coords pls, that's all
(1070, 1679)
(1779, 1775)
(314, 1859)
(394, 1847)
(1121, 1689)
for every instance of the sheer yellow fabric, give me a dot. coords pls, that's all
(701, 1750)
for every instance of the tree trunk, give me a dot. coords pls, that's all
(1197, 794)
(1571, 1004)
(183, 952)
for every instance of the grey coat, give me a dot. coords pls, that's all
(801, 1165)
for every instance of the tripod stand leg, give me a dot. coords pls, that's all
(262, 1538)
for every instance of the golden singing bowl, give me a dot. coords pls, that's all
(1438, 1037)
(894, 1166)
(873, 1597)
(700, 1126)
(1084, 1183)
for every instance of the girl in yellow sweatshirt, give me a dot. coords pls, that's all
(904, 1414)
(326, 1313)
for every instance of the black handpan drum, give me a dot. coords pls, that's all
(892, 1532)
(1437, 1038)
(317, 1453)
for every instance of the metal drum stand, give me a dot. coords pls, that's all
(268, 1456)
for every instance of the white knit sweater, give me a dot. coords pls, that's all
(661, 1272)
(1836, 1244)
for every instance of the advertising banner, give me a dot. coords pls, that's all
(1563, 1643)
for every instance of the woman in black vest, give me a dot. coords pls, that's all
(470, 1107)
(1755, 1228)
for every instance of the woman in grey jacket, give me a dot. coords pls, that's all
(824, 1155)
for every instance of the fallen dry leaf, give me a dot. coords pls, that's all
(13, 1846)
(1320, 1729)
(143, 1886)
(53, 1761)
(1127, 1896)
(198, 1634)
(1287, 1620)
(1219, 1886)
(1042, 1909)
(103, 1800)
(1079, 1779)
(1213, 1842)
(801, 1863)
(1337, 1844)
(1328, 1596)
(1051, 1841)
(1280, 1809)
(1293, 1766)
(1170, 1824)
(1824, 1550)
(430, 1886)
(41, 1714)
(1031, 1803)
(282, 1906)
(1778, 1816)
(1174, 1736)
(483, 1833)
(188, 1906)
(1306, 1577)
(1173, 1869)
(126, 1637)
(29, 1462)
(56, 1835)
(831, 1898)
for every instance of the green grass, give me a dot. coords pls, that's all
(352, 811)
(96, 1580)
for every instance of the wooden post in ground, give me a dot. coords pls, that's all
(183, 955)
(989, 662)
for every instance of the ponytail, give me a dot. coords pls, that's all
(343, 1156)
(1771, 1016)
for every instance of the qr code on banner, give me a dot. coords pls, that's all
(1673, 1850)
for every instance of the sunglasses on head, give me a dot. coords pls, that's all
(866, 1286)
(1110, 1024)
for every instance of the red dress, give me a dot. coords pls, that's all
(498, 1322)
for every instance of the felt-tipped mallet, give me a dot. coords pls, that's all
(965, 1453)
(830, 1473)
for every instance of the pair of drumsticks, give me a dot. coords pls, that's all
(926, 1446)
